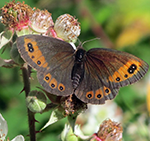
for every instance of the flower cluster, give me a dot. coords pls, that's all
(16, 16)
(22, 19)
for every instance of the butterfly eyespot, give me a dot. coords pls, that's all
(47, 77)
(30, 47)
(89, 95)
(106, 90)
(61, 87)
(39, 62)
(118, 79)
(132, 68)
(98, 94)
(53, 83)
(125, 75)
(32, 56)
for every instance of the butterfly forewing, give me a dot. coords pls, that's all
(115, 68)
(53, 60)
(38, 50)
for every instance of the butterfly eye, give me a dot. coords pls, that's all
(79, 54)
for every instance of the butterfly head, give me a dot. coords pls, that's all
(80, 53)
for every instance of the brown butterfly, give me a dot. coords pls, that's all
(93, 76)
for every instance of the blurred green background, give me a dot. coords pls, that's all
(120, 24)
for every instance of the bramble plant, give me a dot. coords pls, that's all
(20, 19)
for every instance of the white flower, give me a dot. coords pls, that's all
(3, 128)
(4, 131)
(18, 138)
(98, 113)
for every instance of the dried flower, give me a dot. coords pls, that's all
(67, 28)
(109, 131)
(15, 15)
(72, 105)
(41, 20)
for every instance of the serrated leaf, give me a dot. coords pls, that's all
(55, 116)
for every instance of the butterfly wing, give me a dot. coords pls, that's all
(91, 89)
(57, 79)
(115, 68)
(53, 60)
(106, 71)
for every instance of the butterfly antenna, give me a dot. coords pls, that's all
(90, 40)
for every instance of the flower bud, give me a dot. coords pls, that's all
(36, 101)
(67, 28)
(41, 20)
(110, 131)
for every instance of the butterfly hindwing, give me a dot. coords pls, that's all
(92, 90)
(57, 79)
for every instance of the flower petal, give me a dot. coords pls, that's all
(3, 128)
(18, 138)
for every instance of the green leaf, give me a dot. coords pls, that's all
(55, 116)
(67, 134)
(72, 120)
(2, 62)
(36, 101)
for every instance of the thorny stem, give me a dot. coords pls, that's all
(31, 119)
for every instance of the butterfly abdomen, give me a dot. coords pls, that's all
(78, 68)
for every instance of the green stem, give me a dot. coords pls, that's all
(31, 119)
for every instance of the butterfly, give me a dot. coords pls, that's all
(94, 76)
